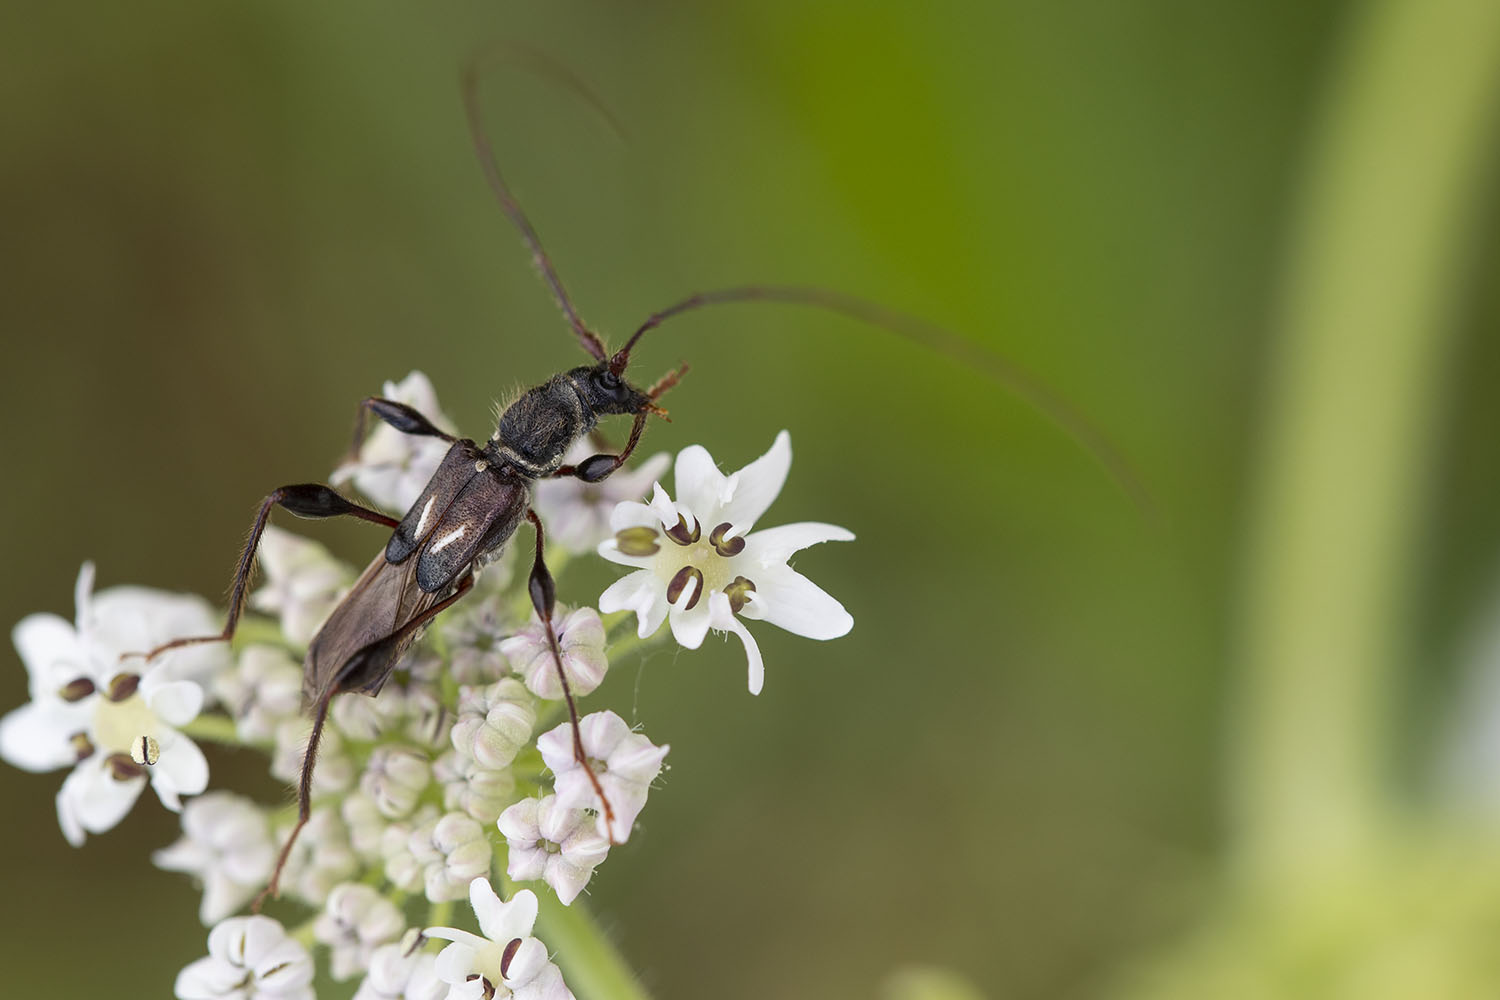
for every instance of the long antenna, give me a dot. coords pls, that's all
(1004, 371)
(512, 209)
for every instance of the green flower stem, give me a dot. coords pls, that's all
(253, 630)
(1364, 329)
(440, 914)
(213, 729)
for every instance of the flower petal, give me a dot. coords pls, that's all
(96, 800)
(757, 485)
(175, 702)
(789, 600)
(34, 737)
(689, 626)
(181, 770)
(773, 546)
(641, 592)
(700, 485)
(725, 621)
(52, 652)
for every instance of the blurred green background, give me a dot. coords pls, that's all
(1070, 749)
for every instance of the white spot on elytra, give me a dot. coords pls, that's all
(449, 538)
(422, 521)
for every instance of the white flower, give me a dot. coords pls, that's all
(402, 869)
(451, 852)
(365, 824)
(507, 960)
(393, 468)
(355, 921)
(303, 582)
(580, 640)
(226, 845)
(321, 858)
(395, 778)
(249, 958)
(362, 717)
(473, 632)
(577, 513)
(494, 723)
(335, 770)
(402, 971)
(560, 846)
(262, 693)
(481, 792)
(624, 762)
(91, 711)
(699, 565)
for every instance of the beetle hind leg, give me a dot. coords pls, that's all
(544, 600)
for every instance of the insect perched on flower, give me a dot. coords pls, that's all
(469, 757)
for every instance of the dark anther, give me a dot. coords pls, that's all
(679, 584)
(484, 984)
(145, 751)
(682, 534)
(76, 690)
(83, 747)
(122, 686)
(726, 546)
(508, 955)
(739, 592)
(637, 541)
(122, 768)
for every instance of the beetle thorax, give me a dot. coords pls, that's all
(538, 428)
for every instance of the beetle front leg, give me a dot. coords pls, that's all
(312, 500)
(544, 600)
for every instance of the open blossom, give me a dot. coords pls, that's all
(577, 513)
(700, 566)
(226, 845)
(303, 582)
(545, 841)
(506, 960)
(393, 468)
(580, 640)
(249, 958)
(114, 721)
(624, 762)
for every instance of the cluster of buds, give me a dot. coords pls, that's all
(459, 776)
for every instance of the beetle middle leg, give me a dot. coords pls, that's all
(544, 600)
(406, 419)
(311, 500)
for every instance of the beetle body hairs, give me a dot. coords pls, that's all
(481, 494)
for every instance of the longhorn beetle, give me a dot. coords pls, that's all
(480, 494)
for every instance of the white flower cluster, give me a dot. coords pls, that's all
(464, 764)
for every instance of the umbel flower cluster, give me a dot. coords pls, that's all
(458, 780)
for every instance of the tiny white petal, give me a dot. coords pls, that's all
(724, 619)
(175, 702)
